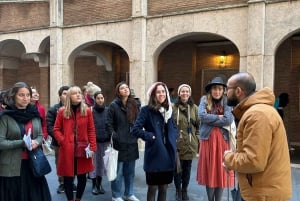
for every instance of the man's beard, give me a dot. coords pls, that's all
(233, 101)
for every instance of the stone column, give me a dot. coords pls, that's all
(56, 52)
(138, 55)
(256, 40)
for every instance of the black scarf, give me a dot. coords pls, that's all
(21, 115)
(99, 108)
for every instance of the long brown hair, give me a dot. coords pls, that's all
(153, 103)
(131, 105)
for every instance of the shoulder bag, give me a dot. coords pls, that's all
(80, 147)
(39, 163)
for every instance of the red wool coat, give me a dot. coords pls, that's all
(64, 134)
(42, 112)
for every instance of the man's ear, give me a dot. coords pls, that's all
(239, 92)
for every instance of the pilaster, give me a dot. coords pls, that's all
(256, 32)
(56, 48)
(138, 55)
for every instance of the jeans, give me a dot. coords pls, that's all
(182, 179)
(125, 170)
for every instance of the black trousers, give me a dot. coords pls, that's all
(68, 184)
(182, 179)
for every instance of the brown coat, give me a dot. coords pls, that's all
(262, 158)
(64, 134)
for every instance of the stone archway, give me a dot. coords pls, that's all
(11, 52)
(17, 64)
(195, 59)
(287, 80)
(103, 63)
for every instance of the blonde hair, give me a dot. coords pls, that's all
(68, 103)
(210, 100)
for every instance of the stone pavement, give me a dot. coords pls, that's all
(196, 192)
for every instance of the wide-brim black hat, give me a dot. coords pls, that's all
(215, 81)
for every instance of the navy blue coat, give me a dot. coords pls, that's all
(160, 152)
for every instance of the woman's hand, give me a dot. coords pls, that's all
(91, 154)
(34, 144)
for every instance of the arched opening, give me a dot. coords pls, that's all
(287, 80)
(102, 63)
(195, 59)
(11, 52)
(30, 67)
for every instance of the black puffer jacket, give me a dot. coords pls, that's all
(100, 114)
(117, 125)
(50, 120)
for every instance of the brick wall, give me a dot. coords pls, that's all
(287, 74)
(86, 70)
(175, 65)
(89, 11)
(156, 7)
(20, 16)
(30, 72)
(8, 78)
(294, 91)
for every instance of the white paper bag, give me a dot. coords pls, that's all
(232, 135)
(47, 146)
(111, 162)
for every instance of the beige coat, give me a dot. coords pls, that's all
(262, 158)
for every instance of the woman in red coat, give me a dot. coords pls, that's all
(35, 100)
(74, 123)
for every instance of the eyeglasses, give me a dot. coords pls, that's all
(231, 88)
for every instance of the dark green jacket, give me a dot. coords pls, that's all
(11, 144)
(187, 144)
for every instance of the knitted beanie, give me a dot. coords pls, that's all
(92, 88)
(184, 85)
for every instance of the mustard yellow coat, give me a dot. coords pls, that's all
(262, 160)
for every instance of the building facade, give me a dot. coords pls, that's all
(50, 43)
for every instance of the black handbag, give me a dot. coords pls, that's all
(39, 163)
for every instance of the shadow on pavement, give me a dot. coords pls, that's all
(196, 192)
